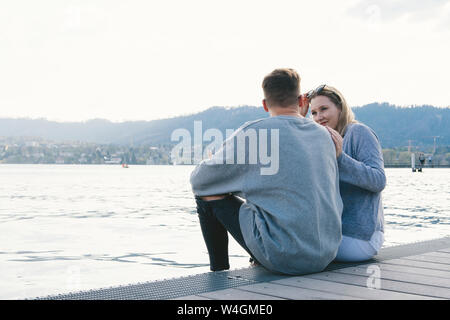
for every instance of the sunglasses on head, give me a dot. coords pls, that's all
(319, 89)
(315, 91)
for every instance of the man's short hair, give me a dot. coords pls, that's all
(281, 87)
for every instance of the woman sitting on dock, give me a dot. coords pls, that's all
(361, 174)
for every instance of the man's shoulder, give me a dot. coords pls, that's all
(278, 121)
(252, 123)
(286, 126)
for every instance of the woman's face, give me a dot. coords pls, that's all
(325, 112)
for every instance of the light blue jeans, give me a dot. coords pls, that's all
(355, 250)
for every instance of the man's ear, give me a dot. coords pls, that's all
(266, 109)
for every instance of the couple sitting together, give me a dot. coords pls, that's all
(322, 204)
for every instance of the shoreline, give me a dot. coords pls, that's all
(437, 166)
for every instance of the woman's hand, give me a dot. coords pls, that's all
(337, 139)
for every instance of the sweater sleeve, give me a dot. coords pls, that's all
(366, 169)
(220, 174)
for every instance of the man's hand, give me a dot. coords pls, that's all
(337, 139)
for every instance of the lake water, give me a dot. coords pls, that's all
(69, 227)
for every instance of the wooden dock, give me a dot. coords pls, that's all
(415, 277)
(418, 271)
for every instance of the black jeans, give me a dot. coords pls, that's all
(216, 218)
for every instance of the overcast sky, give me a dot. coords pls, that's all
(73, 60)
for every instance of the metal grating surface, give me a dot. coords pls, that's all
(158, 290)
(255, 274)
(213, 281)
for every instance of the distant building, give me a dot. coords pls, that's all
(114, 160)
(66, 154)
(32, 144)
(37, 155)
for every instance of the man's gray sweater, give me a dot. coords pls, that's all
(291, 218)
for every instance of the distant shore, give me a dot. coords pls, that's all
(409, 166)
(388, 166)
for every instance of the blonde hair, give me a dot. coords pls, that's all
(346, 116)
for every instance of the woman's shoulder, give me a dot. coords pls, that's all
(362, 136)
(359, 129)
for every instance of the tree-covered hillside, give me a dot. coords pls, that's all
(395, 126)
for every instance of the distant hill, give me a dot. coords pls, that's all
(396, 125)
(393, 125)
(136, 132)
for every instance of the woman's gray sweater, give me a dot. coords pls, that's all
(361, 179)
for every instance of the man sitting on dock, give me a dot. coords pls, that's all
(290, 221)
